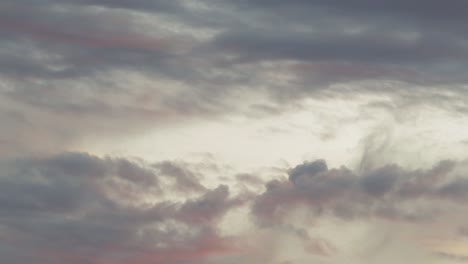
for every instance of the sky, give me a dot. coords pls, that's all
(233, 131)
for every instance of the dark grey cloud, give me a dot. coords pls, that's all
(381, 181)
(308, 169)
(65, 182)
(79, 208)
(417, 43)
(455, 190)
(381, 193)
(366, 47)
(415, 14)
(83, 60)
(75, 42)
(448, 11)
(58, 63)
(144, 5)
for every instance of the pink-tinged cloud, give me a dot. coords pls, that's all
(207, 246)
(319, 248)
(354, 70)
(211, 246)
(105, 40)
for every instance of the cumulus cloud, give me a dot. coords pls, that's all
(79, 208)
(387, 192)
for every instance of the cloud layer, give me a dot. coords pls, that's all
(157, 61)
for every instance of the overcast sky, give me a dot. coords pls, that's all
(233, 131)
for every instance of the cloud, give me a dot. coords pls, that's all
(82, 43)
(389, 192)
(369, 47)
(453, 257)
(83, 209)
(76, 75)
(417, 10)
(185, 180)
(309, 168)
(143, 64)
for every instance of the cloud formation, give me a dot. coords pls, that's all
(81, 81)
(383, 192)
(83, 209)
(155, 61)
(80, 208)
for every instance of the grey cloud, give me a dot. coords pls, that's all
(104, 68)
(144, 5)
(50, 44)
(75, 44)
(452, 256)
(319, 58)
(457, 190)
(249, 179)
(185, 180)
(307, 169)
(79, 208)
(394, 48)
(449, 11)
(56, 64)
(65, 182)
(210, 206)
(382, 180)
(462, 231)
(385, 192)
(368, 47)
